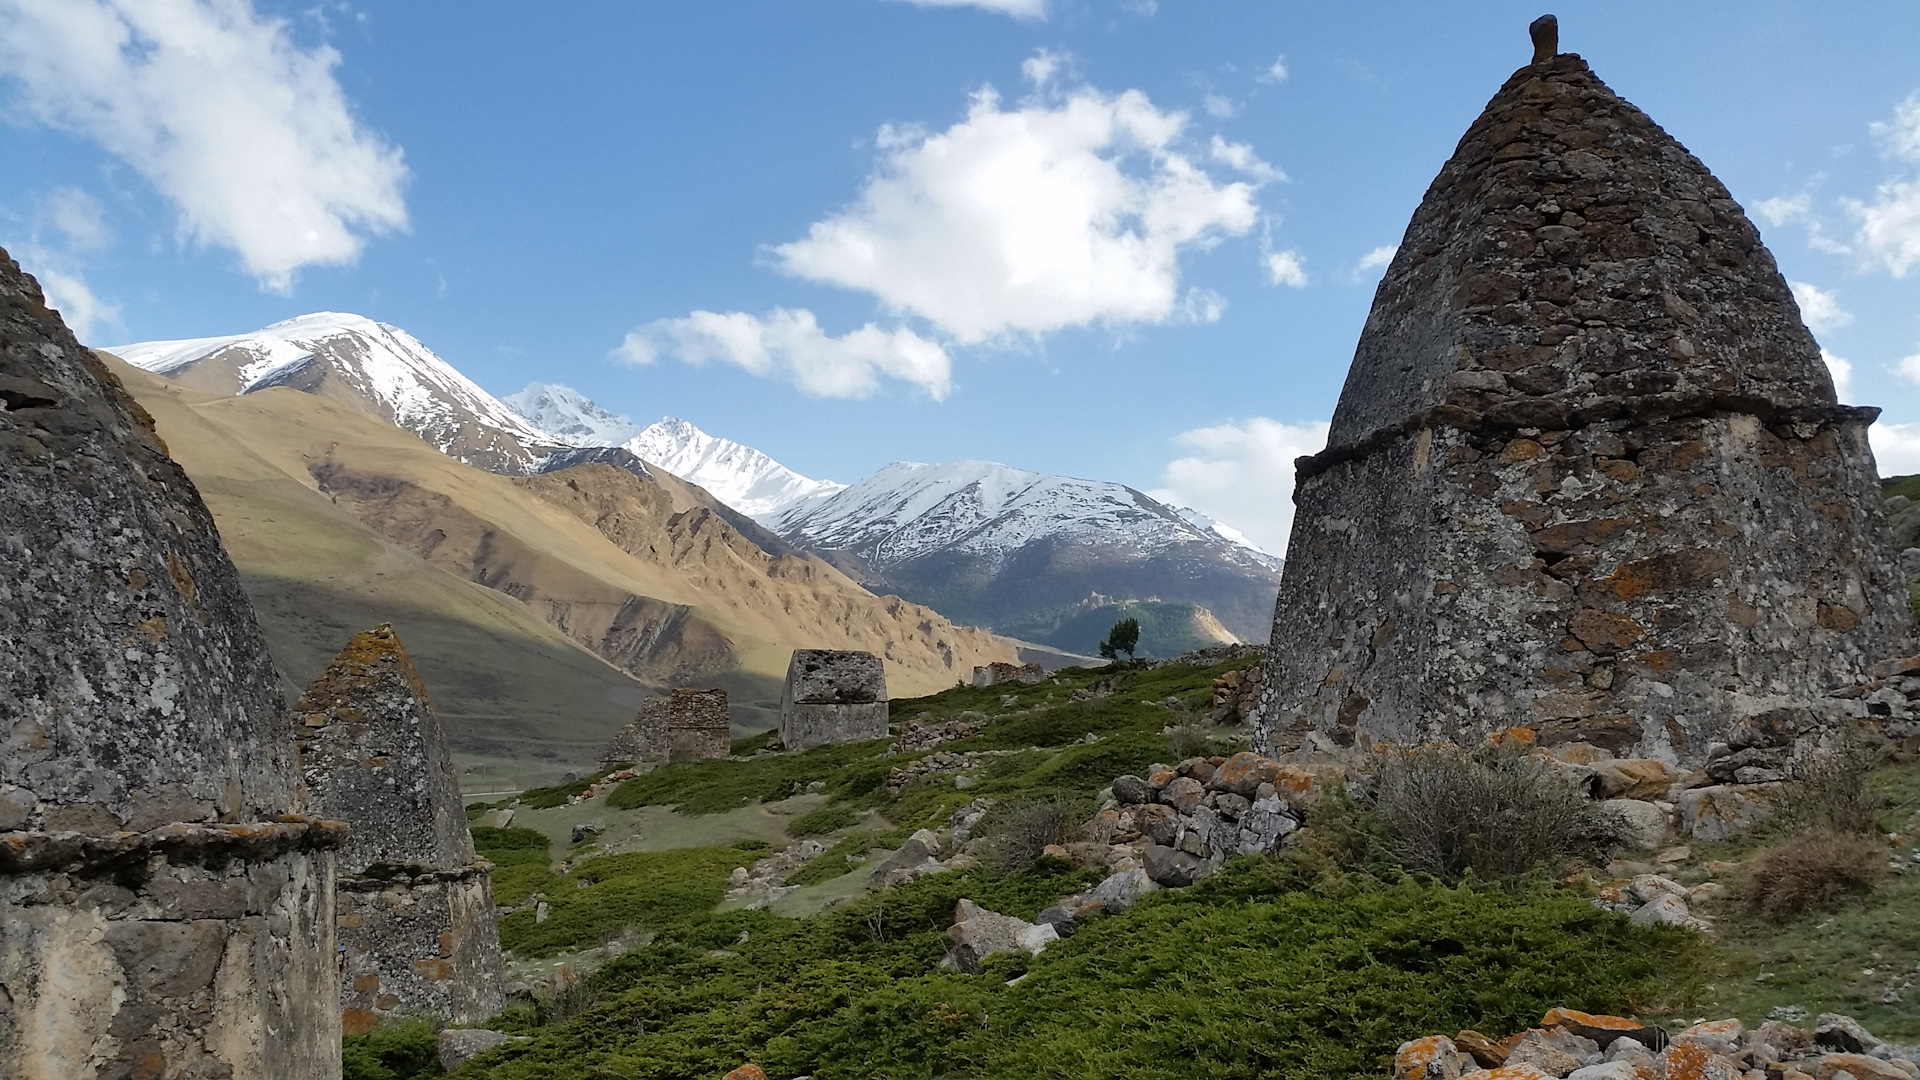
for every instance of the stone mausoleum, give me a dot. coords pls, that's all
(415, 916)
(166, 901)
(1588, 473)
(685, 725)
(833, 696)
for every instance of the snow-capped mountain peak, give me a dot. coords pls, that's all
(982, 508)
(353, 358)
(570, 416)
(736, 474)
(1226, 532)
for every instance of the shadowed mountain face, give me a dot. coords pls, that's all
(539, 608)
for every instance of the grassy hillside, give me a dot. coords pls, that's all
(1316, 963)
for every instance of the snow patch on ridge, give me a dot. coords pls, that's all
(572, 418)
(738, 475)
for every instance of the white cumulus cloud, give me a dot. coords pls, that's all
(1241, 158)
(1287, 268)
(67, 293)
(1040, 68)
(1017, 222)
(1276, 72)
(1908, 368)
(789, 344)
(1901, 135)
(248, 134)
(1377, 259)
(1842, 373)
(1019, 9)
(1241, 473)
(1219, 106)
(1889, 226)
(1819, 308)
(1896, 448)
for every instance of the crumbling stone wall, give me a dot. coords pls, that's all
(1002, 672)
(1588, 473)
(416, 923)
(833, 696)
(698, 725)
(165, 905)
(685, 725)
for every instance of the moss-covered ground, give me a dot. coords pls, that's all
(1277, 967)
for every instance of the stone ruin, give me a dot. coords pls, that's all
(1002, 672)
(686, 725)
(1588, 474)
(833, 696)
(166, 902)
(415, 914)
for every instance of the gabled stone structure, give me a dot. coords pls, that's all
(833, 696)
(166, 906)
(1588, 474)
(418, 934)
(685, 725)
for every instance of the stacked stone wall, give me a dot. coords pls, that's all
(833, 696)
(165, 906)
(698, 725)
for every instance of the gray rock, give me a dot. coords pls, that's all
(1183, 793)
(978, 933)
(1843, 1033)
(1724, 811)
(587, 829)
(1132, 791)
(460, 1045)
(1122, 890)
(1606, 1070)
(1642, 824)
(1172, 867)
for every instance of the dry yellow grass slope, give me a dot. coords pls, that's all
(340, 520)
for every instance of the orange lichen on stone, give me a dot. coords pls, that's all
(1600, 1028)
(1489, 1052)
(1518, 738)
(1692, 1061)
(358, 1021)
(1431, 1058)
(747, 1072)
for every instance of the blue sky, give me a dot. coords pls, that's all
(1110, 238)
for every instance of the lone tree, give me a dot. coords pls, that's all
(1124, 637)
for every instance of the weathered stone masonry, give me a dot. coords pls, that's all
(165, 905)
(415, 918)
(1588, 473)
(833, 696)
(685, 725)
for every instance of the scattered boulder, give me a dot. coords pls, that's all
(459, 1045)
(1132, 791)
(1834, 1031)
(587, 829)
(1172, 867)
(917, 858)
(748, 1071)
(978, 933)
(1635, 778)
(1431, 1058)
(1723, 811)
(1122, 890)
(1643, 825)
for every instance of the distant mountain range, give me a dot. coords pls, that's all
(1033, 555)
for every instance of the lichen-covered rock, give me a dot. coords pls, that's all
(978, 933)
(459, 1045)
(164, 909)
(1588, 475)
(416, 921)
(1724, 811)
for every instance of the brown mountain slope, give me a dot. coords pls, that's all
(642, 572)
(522, 703)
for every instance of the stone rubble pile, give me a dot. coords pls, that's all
(1181, 822)
(1236, 695)
(916, 735)
(600, 787)
(939, 763)
(999, 672)
(761, 882)
(1570, 1045)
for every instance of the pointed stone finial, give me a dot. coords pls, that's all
(1545, 32)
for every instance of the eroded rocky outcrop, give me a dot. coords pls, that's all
(166, 905)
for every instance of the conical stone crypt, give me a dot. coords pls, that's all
(1588, 474)
(166, 909)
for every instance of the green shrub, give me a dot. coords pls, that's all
(607, 896)
(1241, 976)
(1828, 789)
(1813, 870)
(1020, 830)
(1493, 811)
(824, 820)
(716, 786)
(396, 1051)
(546, 798)
(516, 838)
